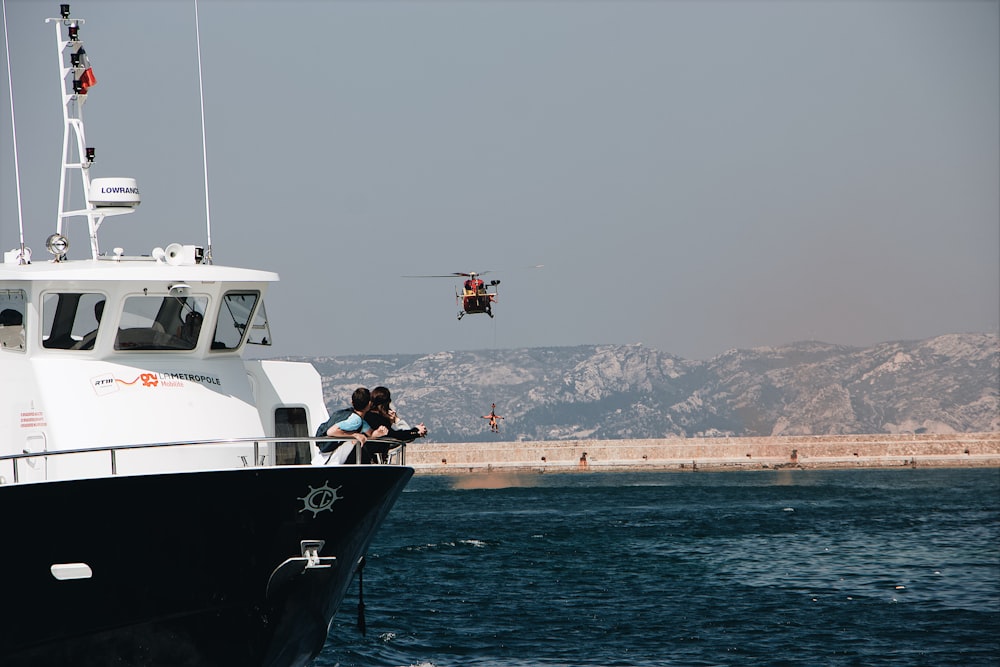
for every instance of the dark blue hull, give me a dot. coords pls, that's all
(187, 569)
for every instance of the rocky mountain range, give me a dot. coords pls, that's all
(945, 384)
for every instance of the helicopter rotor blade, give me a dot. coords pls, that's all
(456, 274)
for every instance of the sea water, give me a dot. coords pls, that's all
(779, 567)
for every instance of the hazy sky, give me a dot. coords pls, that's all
(694, 176)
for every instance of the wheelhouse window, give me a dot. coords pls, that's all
(161, 322)
(239, 318)
(260, 332)
(12, 307)
(70, 320)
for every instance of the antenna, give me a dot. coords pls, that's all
(204, 148)
(21, 259)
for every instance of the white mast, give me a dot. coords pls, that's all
(73, 85)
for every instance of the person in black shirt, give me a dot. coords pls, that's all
(383, 413)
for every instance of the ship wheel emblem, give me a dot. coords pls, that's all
(320, 499)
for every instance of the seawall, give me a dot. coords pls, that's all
(689, 454)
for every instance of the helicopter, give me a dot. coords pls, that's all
(474, 295)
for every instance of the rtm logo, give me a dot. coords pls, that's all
(104, 384)
(107, 384)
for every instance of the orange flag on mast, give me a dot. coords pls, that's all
(87, 78)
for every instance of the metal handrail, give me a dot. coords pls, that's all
(114, 449)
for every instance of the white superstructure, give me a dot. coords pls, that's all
(129, 351)
(120, 349)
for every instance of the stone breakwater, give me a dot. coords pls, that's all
(821, 451)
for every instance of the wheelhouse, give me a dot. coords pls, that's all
(135, 350)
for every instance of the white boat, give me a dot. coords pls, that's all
(158, 499)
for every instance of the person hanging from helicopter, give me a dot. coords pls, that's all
(493, 417)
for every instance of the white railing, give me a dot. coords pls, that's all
(396, 452)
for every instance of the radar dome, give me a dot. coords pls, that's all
(105, 192)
